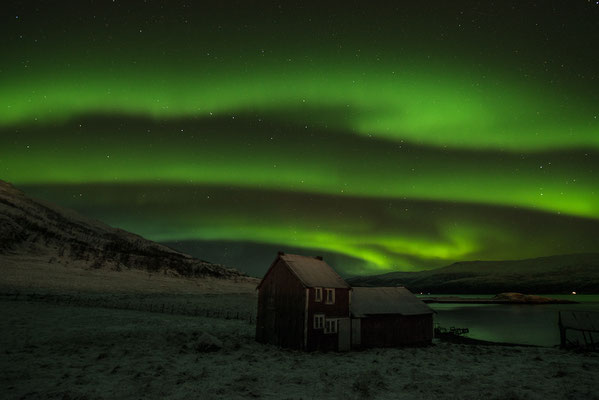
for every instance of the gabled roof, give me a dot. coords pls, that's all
(385, 300)
(314, 272)
(311, 271)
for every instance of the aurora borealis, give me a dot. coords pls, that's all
(387, 137)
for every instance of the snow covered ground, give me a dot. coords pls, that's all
(34, 273)
(55, 351)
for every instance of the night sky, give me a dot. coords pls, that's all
(383, 135)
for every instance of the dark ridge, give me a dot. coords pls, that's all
(29, 227)
(553, 274)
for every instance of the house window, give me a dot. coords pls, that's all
(331, 325)
(318, 321)
(317, 294)
(329, 296)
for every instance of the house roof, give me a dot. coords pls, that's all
(385, 300)
(311, 271)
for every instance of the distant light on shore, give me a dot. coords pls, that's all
(573, 292)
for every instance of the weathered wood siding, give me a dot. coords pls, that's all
(396, 330)
(281, 305)
(317, 339)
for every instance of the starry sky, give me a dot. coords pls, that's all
(383, 135)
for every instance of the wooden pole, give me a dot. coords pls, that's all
(562, 330)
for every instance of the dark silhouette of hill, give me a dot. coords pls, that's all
(32, 228)
(553, 274)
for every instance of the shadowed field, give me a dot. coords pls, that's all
(54, 351)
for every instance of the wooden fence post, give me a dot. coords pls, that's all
(562, 330)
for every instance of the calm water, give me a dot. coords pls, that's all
(525, 324)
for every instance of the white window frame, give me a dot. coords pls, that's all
(319, 321)
(326, 296)
(318, 294)
(331, 325)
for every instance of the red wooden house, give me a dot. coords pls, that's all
(304, 304)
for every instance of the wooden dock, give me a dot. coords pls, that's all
(579, 329)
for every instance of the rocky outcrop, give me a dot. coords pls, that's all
(520, 298)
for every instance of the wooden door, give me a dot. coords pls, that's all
(344, 335)
(356, 332)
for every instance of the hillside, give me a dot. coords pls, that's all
(554, 274)
(47, 236)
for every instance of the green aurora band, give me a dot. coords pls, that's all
(414, 160)
(393, 102)
(378, 233)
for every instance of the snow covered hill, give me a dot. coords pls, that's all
(40, 231)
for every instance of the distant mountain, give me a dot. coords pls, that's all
(36, 229)
(554, 274)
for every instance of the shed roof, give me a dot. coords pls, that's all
(386, 300)
(311, 271)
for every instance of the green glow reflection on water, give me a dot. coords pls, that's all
(517, 323)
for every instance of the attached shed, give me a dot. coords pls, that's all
(388, 317)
